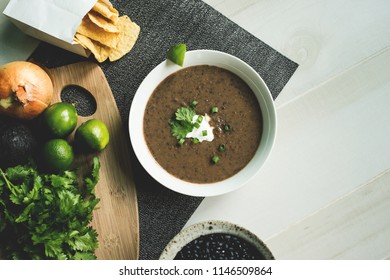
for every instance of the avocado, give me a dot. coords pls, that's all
(17, 142)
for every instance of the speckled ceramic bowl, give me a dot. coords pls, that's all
(211, 227)
(192, 58)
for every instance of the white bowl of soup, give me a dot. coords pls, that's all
(205, 128)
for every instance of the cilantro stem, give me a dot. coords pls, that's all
(10, 186)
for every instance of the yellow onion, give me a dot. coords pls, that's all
(26, 90)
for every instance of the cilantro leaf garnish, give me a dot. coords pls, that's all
(185, 114)
(181, 123)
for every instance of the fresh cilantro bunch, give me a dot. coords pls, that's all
(47, 216)
(182, 123)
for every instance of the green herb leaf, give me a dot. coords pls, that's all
(59, 182)
(185, 114)
(182, 124)
(19, 173)
(180, 129)
(53, 247)
(85, 242)
(25, 215)
(90, 182)
(46, 216)
(84, 256)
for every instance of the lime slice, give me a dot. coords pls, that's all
(176, 54)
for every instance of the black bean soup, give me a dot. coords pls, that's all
(238, 110)
(219, 246)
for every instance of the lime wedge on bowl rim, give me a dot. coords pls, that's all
(176, 54)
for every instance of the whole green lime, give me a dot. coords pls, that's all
(57, 155)
(92, 136)
(60, 119)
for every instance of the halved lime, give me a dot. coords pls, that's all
(176, 54)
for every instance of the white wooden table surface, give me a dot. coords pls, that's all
(325, 191)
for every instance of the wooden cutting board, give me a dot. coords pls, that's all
(116, 216)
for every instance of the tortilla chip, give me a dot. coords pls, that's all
(106, 9)
(106, 34)
(129, 32)
(103, 22)
(77, 41)
(94, 32)
(106, 2)
(100, 51)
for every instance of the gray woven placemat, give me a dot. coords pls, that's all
(162, 212)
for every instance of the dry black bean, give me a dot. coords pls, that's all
(219, 246)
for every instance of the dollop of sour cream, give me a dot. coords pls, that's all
(204, 132)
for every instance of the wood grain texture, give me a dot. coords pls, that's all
(116, 216)
(324, 37)
(326, 235)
